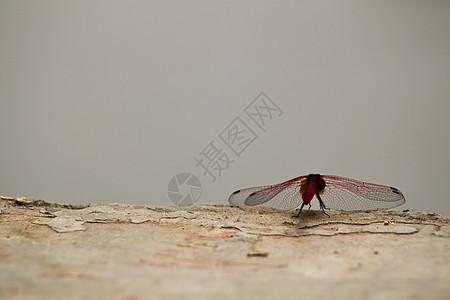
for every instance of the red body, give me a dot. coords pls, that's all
(309, 192)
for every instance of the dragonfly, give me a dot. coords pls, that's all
(333, 192)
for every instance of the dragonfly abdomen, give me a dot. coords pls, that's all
(307, 189)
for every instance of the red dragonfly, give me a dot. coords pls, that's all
(334, 192)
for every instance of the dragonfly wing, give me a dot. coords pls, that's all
(238, 197)
(348, 194)
(285, 195)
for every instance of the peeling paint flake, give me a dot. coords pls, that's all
(62, 224)
(370, 228)
(179, 214)
(66, 220)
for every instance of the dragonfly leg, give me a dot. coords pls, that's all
(301, 207)
(322, 205)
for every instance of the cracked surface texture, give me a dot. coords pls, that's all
(120, 251)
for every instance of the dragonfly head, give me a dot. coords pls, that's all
(318, 181)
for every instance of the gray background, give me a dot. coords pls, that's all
(108, 100)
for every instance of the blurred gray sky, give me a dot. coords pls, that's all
(108, 100)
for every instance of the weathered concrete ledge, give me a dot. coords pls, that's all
(120, 251)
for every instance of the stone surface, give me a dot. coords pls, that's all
(120, 251)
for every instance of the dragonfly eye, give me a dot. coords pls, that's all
(238, 191)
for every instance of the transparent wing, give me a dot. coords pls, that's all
(348, 194)
(284, 195)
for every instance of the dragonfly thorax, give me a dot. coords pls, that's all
(313, 184)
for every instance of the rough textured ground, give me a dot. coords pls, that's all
(118, 251)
